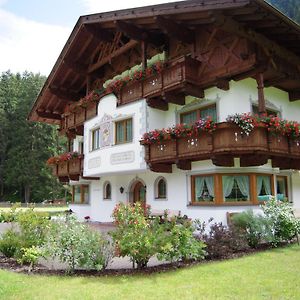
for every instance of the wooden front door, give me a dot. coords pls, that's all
(139, 193)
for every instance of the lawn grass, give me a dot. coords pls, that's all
(272, 274)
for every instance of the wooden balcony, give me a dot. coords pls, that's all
(73, 121)
(222, 146)
(178, 76)
(68, 170)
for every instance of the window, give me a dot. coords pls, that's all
(270, 112)
(107, 191)
(236, 188)
(203, 189)
(80, 147)
(161, 188)
(123, 131)
(192, 116)
(80, 194)
(263, 187)
(282, 188)
(96, 139)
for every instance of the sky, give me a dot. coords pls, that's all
(33, 32)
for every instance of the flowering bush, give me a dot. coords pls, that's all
(63, 157)
(179, 130)
(245, 121)
(134, 236)
(285, 226)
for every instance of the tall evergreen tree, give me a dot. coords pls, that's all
(25, 146)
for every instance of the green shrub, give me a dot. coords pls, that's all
(140, 237)
(285, 226)
(10, 243)
(29, 256)
(33, 227)
(176, 241)
(257, 228)
(78, 246)
(11, 215)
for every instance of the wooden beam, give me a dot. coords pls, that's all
(223, 84)
(253, 160)
(178, 98)
(144, 55)
(64, 94)
(294, 95)
(176, 30)
(261, 96)
(131, 44)
(223, 161)
(193, 90)
(161, 168)
(48, 115)
(275, 80)
(90, 178)
(99, 33)
(228, 24)
(157, 103)
(76, 67)
(184, 164)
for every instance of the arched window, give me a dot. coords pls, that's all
(107, 190)
(161, 188)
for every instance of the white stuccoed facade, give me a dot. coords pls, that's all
(121, 165)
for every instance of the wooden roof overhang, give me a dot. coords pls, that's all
(106, 44)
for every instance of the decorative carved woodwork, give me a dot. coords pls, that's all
(177, 80)
(178, 31)
(223, 145)
(68, 170)
(48, 115)
(261, 96)
(161, 168)
(99, 33)
(158, 103)
(294, 95)
(64, 94)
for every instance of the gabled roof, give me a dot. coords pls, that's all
(93, 36)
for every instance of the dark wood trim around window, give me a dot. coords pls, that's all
(82, 189)
(218, 190)
(197, 110)
(124, 122)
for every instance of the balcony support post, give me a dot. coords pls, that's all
(144, 55)
(261, 96)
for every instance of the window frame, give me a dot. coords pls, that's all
(218, 190)
(105, 197)
(198, 111)
(158, 196)
(124, 121)
(193, 194)
(93, 148)
(285, 178)
(82, 189)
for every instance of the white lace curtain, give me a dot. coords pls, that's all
(241, 181)
(199, 185)
(263, 180)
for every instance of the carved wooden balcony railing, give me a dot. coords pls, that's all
(222, 146)
(177, 76)
(73, 121)
(68, 170)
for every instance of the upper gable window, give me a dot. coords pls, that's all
(199, 113)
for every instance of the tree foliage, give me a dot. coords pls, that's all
(24, 145)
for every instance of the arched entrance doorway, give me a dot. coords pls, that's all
(138, 191)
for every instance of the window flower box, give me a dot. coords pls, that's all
(62, 169)
(132, 91)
